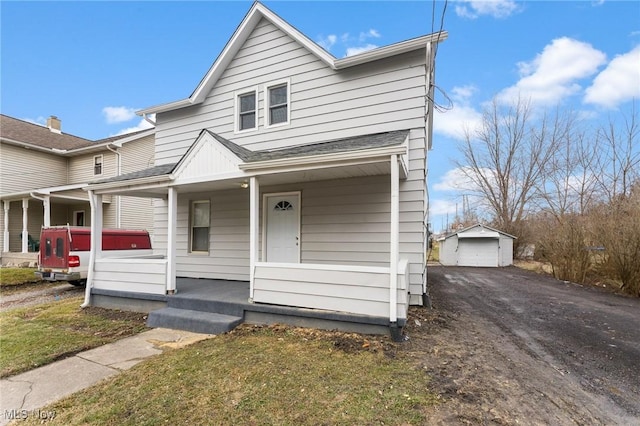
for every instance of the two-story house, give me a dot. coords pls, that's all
(294, 177)
(43, 175)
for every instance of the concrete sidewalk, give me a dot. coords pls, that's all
(23, 395)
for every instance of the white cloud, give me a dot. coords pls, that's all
(372, 33)
(328, 41)
(142, 125)
(40, 121)
(352, 45)
(472, 9)
(455, 180)
(360, 49)
(462, 117)
(618, 82)
(118, 114)
(441, 207)
(553, 74)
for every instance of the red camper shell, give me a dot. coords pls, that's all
(64, 251)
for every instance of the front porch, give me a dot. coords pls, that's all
(216, 306)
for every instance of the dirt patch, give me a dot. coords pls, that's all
(343, 341)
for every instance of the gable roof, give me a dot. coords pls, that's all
(483, 231)
(14, 130)
(258, 12)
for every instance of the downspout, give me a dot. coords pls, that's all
(148, 120)
(92, 254)
(47, 208)
(118, 173)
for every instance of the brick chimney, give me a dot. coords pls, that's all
(54, 124)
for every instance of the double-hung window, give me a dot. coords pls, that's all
(97, 165)
(277, 103)
(247, 111)
(200, 218)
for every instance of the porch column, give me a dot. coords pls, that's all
(25, 225)
(5, 241)
(46, 202)
(394, 246)
(172, 222)
(254, 225)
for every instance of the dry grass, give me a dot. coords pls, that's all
(38, 335)
(534, 265)
(260, 376)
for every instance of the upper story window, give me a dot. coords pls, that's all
(97, 165)
(247, 111)
(277, 103)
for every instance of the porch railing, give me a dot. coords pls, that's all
(345, 288)
(144, 274)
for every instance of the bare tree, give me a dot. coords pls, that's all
(507, 158)
(619, 165)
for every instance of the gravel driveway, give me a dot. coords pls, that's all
(35, 295)
(513, 347)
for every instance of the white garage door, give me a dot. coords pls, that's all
(477, 252)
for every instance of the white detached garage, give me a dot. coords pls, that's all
(477, 245)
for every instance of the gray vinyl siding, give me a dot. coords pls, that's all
(81, 167)
(24, 170)
(337, 225)
(136, 212)
(325, 104)
(343, 222)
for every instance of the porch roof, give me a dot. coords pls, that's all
(249, 162)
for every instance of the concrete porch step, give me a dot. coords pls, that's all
(195, 321)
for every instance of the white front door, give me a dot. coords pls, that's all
(282, 230)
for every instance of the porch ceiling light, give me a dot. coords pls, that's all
(244, 185)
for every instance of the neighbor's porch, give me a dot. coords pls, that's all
(24, 214)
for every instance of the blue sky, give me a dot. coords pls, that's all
(93, 63)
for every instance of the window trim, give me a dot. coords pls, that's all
(267, 107)
(95, 164)
(192, 203)
(236, 114)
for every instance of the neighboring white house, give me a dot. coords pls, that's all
(295, 171)
(477, 245)
(44, 171)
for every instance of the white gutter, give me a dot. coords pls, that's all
(47, 208)
(148, 120)
(118, 173)
(132, 183)
(391, 50)
(92, 252)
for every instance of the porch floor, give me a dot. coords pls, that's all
(215, 306)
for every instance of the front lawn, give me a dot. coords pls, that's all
(17, 276)
(38, 335)
(261, 376)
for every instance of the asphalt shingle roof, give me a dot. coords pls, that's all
(25, 132)
(356, 143)
(161, 170)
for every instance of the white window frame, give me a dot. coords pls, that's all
(267, 107)
(192, 204)
(101, 158)
(236, 114)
